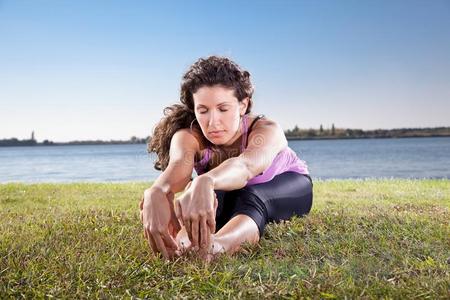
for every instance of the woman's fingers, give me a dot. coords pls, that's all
(150, 241)
(187, 225)
(160, 245)
(211, 220)
(174, 227)
(178, 211)
(195, 232)
(170, 242)
(204, 233)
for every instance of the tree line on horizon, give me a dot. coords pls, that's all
(333, 133)
(33, 142)
(295, 133)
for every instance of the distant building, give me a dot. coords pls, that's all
(32, 136)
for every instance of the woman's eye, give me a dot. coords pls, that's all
(204, 112)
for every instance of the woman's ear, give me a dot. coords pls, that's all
(243, 106)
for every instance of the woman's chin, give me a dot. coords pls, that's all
(217, 141)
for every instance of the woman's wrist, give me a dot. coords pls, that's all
(205, 179)
(160, 190)
(156, 192)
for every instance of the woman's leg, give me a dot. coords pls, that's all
(286, 195)
(245, 212)
(240, 229)
(231, 232)
(242, 214)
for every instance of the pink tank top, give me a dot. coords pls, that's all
(285, 161)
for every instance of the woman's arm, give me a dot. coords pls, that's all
(158, 214)
(176, 176)
(265, 141)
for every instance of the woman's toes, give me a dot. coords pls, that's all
(182, 239)
(213, 252)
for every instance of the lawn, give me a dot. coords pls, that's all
(363, 239)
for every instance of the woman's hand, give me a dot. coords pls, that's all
(159, 221)
(196, 210)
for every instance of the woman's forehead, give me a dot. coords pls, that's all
(213, 90)
(214, 96)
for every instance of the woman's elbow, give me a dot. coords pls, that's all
(251, 170)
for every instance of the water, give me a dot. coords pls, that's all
(377, 158)
(361, 158)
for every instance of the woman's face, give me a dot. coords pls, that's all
(218, 112)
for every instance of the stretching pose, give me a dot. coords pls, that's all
(247, 174)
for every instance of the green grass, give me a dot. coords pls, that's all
(362, 239)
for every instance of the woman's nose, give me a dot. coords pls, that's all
(213, 118)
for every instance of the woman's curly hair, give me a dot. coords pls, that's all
(210, 71)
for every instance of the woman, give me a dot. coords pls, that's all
(247, 174)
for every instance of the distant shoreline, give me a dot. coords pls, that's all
(89, 143)
(362, 137)
(291, 135)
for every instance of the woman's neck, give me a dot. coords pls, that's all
(238, 135)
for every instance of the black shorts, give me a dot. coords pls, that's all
(287, 194)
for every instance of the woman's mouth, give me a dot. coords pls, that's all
(216, 133)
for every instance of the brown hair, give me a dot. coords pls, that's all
(210, 71)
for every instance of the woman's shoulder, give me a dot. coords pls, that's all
(194, 134)
(260, 120)
(263, 128)
(187, 137)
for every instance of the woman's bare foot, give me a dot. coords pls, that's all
(183, 242)
(213, 251)
(207, 254)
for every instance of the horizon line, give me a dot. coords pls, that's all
(300, 128)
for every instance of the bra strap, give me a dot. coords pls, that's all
(247, 130)
(244, 134)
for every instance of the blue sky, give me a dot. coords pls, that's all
(106, 69)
